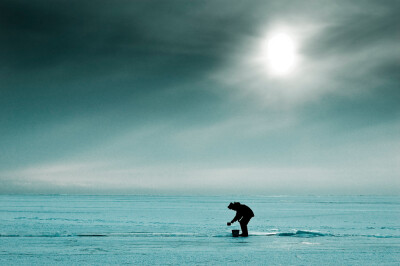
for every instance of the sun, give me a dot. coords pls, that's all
(280, 54)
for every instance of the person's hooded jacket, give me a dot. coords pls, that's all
(241, 211)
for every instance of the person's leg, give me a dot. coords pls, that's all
(243, 226)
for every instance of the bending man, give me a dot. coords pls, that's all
(243, 215)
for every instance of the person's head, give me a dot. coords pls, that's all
(233, 206)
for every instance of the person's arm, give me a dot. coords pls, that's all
(237, 217)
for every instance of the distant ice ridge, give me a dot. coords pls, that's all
(301, 233)
(129, 234)
(294, 233)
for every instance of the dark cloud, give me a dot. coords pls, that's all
(72, 54)
(73, 57)
(41, 33)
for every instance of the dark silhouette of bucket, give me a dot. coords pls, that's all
(235, 233)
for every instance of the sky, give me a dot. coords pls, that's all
(190, 97)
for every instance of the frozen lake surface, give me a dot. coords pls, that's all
(152, 230)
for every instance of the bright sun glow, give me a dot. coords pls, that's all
(281, 54)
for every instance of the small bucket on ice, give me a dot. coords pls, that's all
(235, 233)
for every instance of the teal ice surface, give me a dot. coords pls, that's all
(154, 230)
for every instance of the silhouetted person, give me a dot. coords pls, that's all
(243, 215)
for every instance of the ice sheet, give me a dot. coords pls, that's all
(68, 229)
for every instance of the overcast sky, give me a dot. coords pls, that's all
(176, 97)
